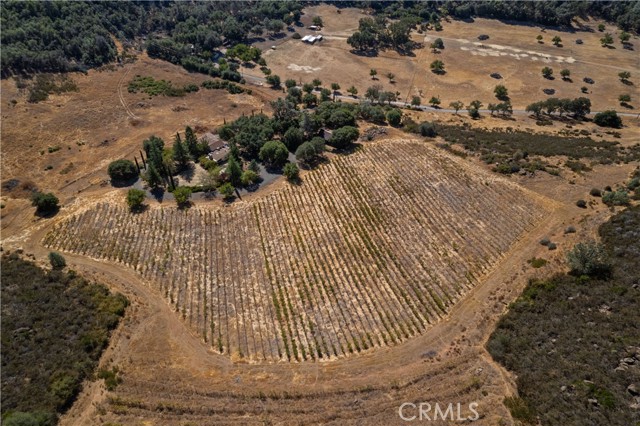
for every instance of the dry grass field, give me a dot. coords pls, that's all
(511, 50)
(375, 281)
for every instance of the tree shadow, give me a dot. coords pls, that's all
(295, 181)
(626, 105)
(185, 206)
(188, 172)
(627, 82)
(365, 53)
(274, 170)
(124, 183)
(140, 209)
(209, 195)
(158, 193)
(313, 164)
(46, 214)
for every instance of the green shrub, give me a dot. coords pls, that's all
(608, 118)
(428, 129)
(595, 192)
(537, 262)
(274, 153)
(122, 170)
(57, 260)
(394, 117)
(227, 190)
(582, 204)
(249, 177)
(291, 172)
(135, 199)
(182, 194)
(343, 137)
(616, 198)
(44, 203)
(588, 259)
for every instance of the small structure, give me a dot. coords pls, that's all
(314, 27)
(311, 39)
(219, 148)
(326, 134)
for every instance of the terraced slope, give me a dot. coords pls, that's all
(369, 251)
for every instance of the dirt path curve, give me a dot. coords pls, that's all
(121, 96)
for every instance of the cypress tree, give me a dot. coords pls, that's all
(234, 171)
(153, 177)
(191, 142)
(180, 154)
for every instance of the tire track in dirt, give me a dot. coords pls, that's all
(121, 96)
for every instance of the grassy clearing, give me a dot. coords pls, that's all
(153, 87)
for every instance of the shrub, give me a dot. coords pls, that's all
(545, 241)
(595, 192)
(582, 204)
(552, 246)
(588, 258)
(249, 177)
(135, 198)
(394, 117)
(292, 138)
(344, 136)
(537, 262)
(182, 194)
(308, 152)
(608, 118)
(291, 172)
(296, 36)
(427, 129)
(122, 170)
(44, 203)
(274, 153)
(616, 198)
(570, 230)
(227, 190)
(57, 260)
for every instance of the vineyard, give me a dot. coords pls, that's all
(370, 250)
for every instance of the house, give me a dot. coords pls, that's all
(219, 148)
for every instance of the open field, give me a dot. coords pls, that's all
(103, 122)
(512, 51)
(369, 251)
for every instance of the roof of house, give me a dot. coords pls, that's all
(214, 141)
